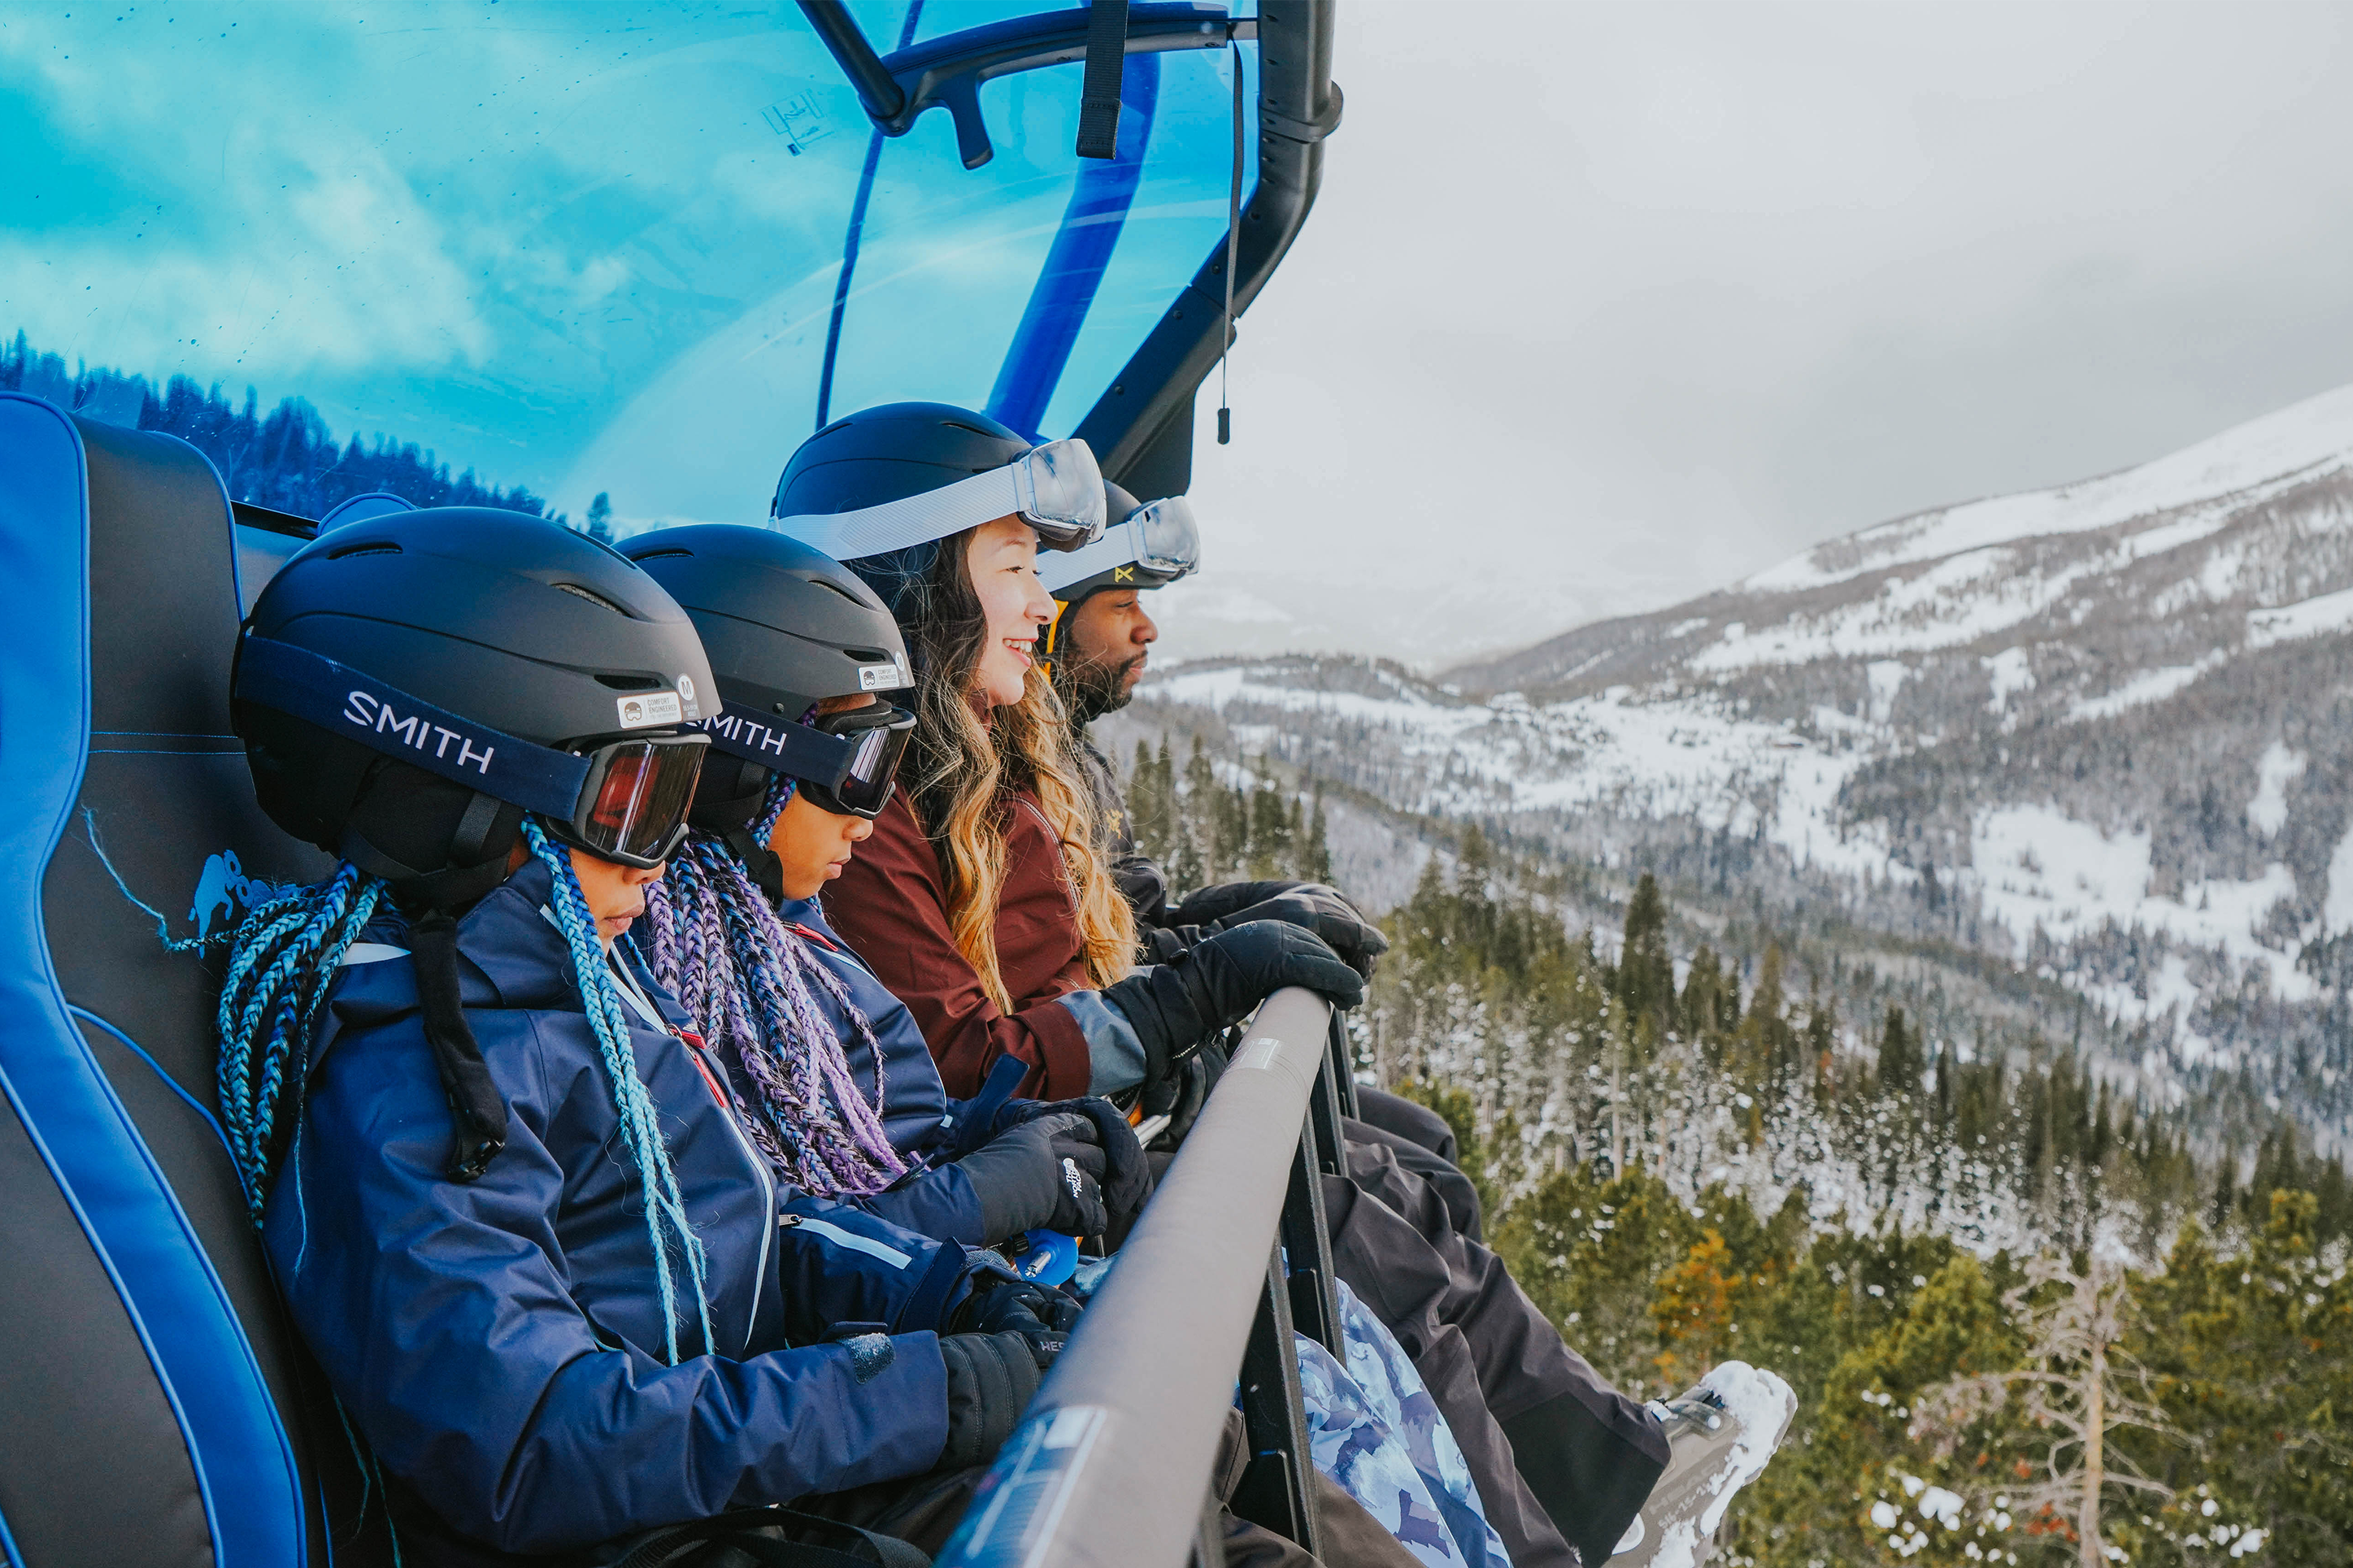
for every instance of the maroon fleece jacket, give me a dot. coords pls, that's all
(891, 906)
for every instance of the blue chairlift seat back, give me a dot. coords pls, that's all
(159, 1411)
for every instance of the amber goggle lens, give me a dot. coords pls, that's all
(640, 795)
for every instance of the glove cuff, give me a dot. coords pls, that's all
(991, 1380)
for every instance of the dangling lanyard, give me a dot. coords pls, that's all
(643, 1007)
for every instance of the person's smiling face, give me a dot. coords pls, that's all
(1001, 560)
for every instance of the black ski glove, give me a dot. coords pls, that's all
(1126, 1179)
(1045, 1171)
(1175, 1006)
(1214, 903)
(991, 1380)
(1310, 905)
(1320, 909)
(1043, 1318)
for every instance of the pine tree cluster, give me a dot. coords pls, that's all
(1686, 1162)
(287, 459)
(1204, 831)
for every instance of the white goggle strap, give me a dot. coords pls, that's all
(1115, 548)
(916, 519)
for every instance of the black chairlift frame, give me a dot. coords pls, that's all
(1141, 429)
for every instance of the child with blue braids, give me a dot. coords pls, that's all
(560, 1294)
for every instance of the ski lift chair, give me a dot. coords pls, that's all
(156, 1404)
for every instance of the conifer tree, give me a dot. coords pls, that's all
(2079, 1385)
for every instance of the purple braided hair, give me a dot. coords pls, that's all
(749, 980)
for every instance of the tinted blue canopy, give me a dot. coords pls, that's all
(585, 248)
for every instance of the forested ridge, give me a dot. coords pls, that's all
(1693, 1151)
(286, 459)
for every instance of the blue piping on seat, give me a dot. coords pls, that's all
(238, 1447)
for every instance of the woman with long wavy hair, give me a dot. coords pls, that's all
(981, 900)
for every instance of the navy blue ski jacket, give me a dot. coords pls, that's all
(916, 1112)
(499, 1343)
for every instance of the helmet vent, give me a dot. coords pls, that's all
(833, 588)
(579, 591)
(633, 682)
(970, 429)
(870, 656)
(369, 547)
(664, 555)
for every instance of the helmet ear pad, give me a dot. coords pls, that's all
(729, 794)
(727, 802)
(387, 818)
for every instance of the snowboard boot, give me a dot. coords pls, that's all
(1719, 1436)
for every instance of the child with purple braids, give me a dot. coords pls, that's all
(829, 1073)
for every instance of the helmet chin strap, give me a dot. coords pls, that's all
(1050, 640)
(732, 821)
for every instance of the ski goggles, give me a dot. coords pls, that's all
(624, 801)
(1054, 487)
(845, 763)
(1152, 547)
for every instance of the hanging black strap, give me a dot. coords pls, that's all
(754, 1532)
(478, 1115)
(1233, 243)
(1106, 69)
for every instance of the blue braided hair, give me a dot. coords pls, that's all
(282, 959)
(641, 1138)
(750, 983)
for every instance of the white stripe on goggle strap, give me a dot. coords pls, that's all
(1122, 544)
(1056, 487)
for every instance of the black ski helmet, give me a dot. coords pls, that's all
(1118, 505)
(787, 626)
(890, 453)
(498, 619)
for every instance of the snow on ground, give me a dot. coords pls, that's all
(2311, 618)
(2150, 686)
(1682, 757)
(2278, 768)
(2263, 454)
(1949, 604)
(2336, 914)
(1693, 758)
(2035, 866)
(2012, 669)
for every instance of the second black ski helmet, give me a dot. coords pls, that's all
(787, 626)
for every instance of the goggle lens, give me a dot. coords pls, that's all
(865, 790)
(643, 789)
(1168, 540)
(1061, 493)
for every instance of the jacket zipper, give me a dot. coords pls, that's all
(1061, 872)
(643, 1007)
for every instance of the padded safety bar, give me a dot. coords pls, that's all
(1112, 1464)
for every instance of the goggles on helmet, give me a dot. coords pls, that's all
(624, 800)
(1160, 542)
(1054, 487)
(845, 763)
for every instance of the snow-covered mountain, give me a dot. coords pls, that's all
(2101, 735)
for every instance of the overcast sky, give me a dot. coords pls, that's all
(1604, 306)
